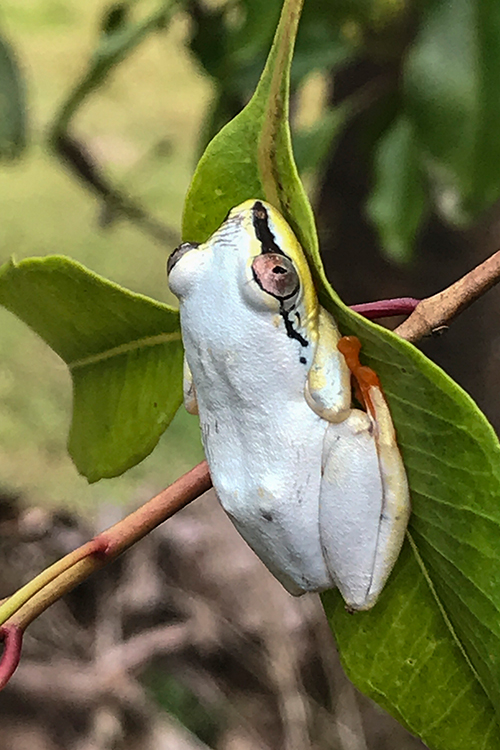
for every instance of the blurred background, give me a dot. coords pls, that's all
(188, 642)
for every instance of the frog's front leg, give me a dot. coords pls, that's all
(328, 385)
(190, 400)
(364, 500)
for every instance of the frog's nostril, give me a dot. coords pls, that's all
(179, 252)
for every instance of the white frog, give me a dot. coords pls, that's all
(317, 488)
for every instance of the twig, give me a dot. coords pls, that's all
(79, 159)
(12, 636)
(111, 51)
(436, 311)
(30, 601)
(386, 308)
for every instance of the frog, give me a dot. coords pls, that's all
(312, 479)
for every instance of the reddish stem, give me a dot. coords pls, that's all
(12, 637)
(78, 565)
(386, 308)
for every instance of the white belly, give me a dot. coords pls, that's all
(258, 473)
(265, 462)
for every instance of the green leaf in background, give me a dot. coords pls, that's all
(429, 652)
(451, 78)
(12, 105)
(123, 350)
(116, 44)
(397, 203)
(312, 146)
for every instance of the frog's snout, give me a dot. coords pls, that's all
(177, 254)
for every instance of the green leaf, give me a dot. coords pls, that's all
(401, 654)
(123, 350)
(12, 105)
(441, 608)
(245, 159)
(453, 98)
(429, 652)
(398, 200)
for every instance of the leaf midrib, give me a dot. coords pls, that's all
(130, 346)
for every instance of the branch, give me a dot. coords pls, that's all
(12, 636)
(386, 308)
(31, 600)
(79, 159)
(440, 309)
(112, 50)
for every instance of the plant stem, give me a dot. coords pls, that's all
(440, 309)
(386, 308)
(12, 636)
(19, 610)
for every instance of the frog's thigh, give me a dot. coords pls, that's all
(351, 503)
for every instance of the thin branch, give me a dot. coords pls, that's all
(12, 636)
(118, 205)
(440, 309)
(63, 682)
(386, 308)
(29, 602)
(113, 49)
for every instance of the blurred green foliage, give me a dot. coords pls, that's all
(12, 104)
(178, 701)
(434, 151)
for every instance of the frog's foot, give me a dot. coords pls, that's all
(364, 506)
(365, 379)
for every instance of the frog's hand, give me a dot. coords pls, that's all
(190, 401)
(328, 385)
(364, 501)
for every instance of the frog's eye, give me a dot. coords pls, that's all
(276, 275)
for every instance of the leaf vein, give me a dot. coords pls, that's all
(130, 346)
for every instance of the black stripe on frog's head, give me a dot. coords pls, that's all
(179, 251)
(275, 272)
(263, 232)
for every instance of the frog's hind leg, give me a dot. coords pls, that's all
(351, 501)
(364, 505)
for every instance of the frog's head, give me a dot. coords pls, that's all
(255, 256)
